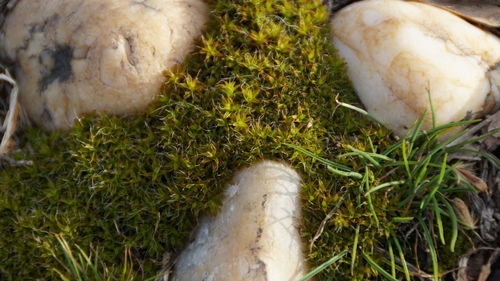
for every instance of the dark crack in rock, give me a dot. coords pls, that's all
(61, 70)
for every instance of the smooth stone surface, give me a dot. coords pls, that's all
(486, 12)
(74, 57)
(255, 236)
(399, 52)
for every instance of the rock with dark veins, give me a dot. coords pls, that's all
(73, 57)
(255, 236)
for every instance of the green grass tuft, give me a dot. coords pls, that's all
(418, 186)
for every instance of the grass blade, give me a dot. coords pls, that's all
(365, 155)
(373, 155)
(366, 184)
(393, 261)
(70, 259)
(443, 127)
(362, 111)
(412, 163)
(370, 142)
(416, 132)
(62, 276)
(495, 161)
(344, 174)
(432, 250)
(439, 222)
(431, 194)
(320, 159)
(402, 219)
(89, 263)
(384, 185)
(443, 144)
(454, 223)
(406, 164)
(393, 147)
(378, 268)
(402, 258)
(433, 112)
(323, 266)
(473, 140)
(354, 250)
(422, 171)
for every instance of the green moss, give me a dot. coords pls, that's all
(265, 74)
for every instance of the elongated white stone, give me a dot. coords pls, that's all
(255, 236)
(79, 56)
(398, 52)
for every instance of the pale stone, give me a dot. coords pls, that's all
(399, 52)
(486, 12)
(255, 236)
(73, 57)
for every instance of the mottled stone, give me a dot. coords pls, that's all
(73, 57)
(255, 235)
(399, 52)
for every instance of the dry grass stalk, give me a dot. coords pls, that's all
(9, 125)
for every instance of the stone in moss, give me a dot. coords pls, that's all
(255, 235)
(73, 57)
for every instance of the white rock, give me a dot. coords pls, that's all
(255, 236)
(397, 52)
(74, 57)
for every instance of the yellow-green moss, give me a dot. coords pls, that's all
(264, 74)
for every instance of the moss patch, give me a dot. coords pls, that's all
(265, 74)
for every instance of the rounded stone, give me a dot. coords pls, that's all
(400, 53)
(73, 57)
(255, 236)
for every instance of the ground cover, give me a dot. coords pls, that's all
(130, 189)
